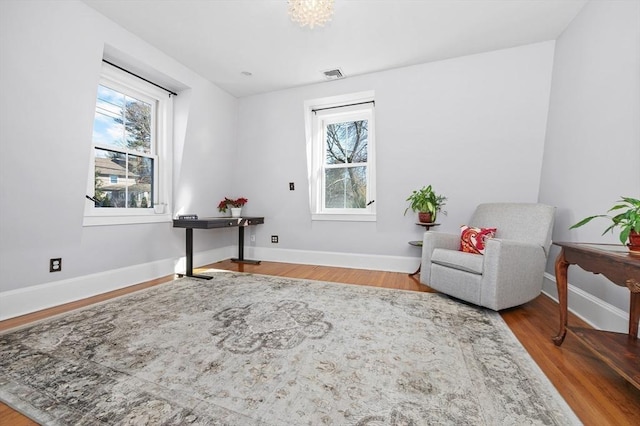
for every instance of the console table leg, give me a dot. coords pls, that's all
(561, 282)
(634, 307)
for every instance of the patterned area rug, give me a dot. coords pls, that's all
(246, 349)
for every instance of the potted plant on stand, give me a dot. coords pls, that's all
(234, 205)
(628, 220)
(427, 203)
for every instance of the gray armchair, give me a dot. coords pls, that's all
(510, 272)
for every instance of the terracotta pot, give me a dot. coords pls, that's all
(634, 242)
(424, 217)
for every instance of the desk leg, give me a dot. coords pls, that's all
(240, 258)
(189, 240)
(189, 249)
(561, 282)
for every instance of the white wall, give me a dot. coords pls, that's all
(50, 61)
(593, 136)
(472, 126)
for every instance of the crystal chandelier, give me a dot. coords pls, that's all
(310, 12)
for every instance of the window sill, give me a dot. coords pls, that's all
(344, 217)
(125, 220)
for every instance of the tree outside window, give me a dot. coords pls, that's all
(345, 180)
(341, 161)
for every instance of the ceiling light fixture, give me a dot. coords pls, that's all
(310, 12)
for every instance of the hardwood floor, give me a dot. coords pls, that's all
(595, 392)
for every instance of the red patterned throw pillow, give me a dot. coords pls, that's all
(472, 240)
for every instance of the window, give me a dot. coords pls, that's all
(130, 145)
(341, 144)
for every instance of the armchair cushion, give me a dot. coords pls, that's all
(472, 240)
(467, 262)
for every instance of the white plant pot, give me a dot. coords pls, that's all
(236, 211)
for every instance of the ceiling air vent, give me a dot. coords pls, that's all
(334, 74)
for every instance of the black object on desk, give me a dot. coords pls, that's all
(211, 223)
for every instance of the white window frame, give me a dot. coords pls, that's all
(319, 113)
(162, 132)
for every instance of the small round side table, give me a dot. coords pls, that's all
(427, 226)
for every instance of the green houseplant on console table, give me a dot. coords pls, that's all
(427, 203)
(627, 219)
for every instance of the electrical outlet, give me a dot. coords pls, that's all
(252, 238)
(55, 265)
(292, 186)
(274, 239)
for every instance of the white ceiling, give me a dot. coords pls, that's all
(219, 39)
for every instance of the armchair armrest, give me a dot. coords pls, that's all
(433, 240)
(512, 250)
(515, 269)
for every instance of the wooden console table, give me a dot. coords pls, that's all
(620, 351)
(211, 223)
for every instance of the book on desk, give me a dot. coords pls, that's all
(187, 216)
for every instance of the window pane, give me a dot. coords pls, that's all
(346, 188)
(108, 127)
(140, 181)
(138, 125)
(110, 178)
(110, 101)
(122, 121)
(347, 142)
(122, 183)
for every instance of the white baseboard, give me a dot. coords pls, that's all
(31, 299)
(341, 260)
(596, 312)
(35, 298)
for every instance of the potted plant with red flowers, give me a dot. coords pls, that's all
(234, 205)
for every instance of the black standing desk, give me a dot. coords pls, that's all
(211, 223)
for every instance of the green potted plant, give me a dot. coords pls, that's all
(427, 203)
(627, 219)
(234, 205)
